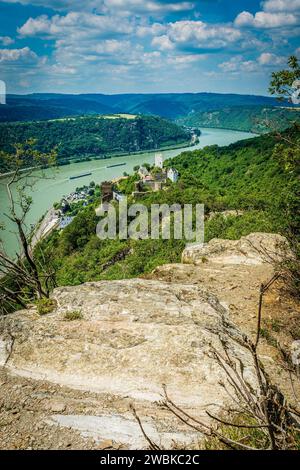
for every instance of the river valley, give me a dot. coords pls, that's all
(57, 183)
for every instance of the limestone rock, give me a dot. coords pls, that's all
(57, 407)
(135, 335)
(254, 249)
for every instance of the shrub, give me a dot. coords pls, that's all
(73, 315)
(45, 306)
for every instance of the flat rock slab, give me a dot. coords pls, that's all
(254, 249)
(135, 336)
(114, 430)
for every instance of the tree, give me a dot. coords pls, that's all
(22, 276)
(285, 85)
(282, 81)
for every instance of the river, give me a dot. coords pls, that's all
(56, 183)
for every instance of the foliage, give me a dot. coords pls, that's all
(91, 136)
(234, 227)
(249, 436)
(20, 277)
(241, 176)
(127, 186)
(282, 81)
(73, 315)
(287, 153)
(256, 119)
(45, 306)
(171, 106)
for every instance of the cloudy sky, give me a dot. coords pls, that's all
(119, 46)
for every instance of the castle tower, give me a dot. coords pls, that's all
(159, 160)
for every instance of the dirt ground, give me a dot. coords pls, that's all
(238, 287)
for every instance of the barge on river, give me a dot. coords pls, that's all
(79, 176)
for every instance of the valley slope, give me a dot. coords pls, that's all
(94, 136)
(257, 119)
(168, 105)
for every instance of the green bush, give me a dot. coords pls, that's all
(73, 315)
(45, 306)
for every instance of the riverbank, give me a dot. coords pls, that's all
(56, 182)
(106, 157)
(232, 129)
(49, 223)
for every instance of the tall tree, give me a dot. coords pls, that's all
(285, 84)
(21, 276)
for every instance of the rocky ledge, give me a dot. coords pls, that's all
(132, 337)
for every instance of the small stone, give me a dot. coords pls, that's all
(106, 444)
(57, 407)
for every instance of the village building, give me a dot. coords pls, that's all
(107, 191)
(65, 221)
(143, 173)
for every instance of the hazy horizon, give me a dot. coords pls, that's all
(138, 93)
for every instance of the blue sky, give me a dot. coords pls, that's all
(133, 46)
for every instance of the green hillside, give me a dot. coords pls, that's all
(245, 176)
(256, 119)
(94, 136)
(167, 105)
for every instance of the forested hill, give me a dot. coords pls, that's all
(246, 176)
(244, 118)
(168, 105)
(95, 136)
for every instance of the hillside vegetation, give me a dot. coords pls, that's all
(168, 105)
(245, 176)
(93, 136)
(256, 119)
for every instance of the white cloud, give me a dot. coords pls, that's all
(281, 5)
(199, 32)
(154, 6)
(74, 23)
(197, 35)
(244, 19)
(267, 58)
(105, 6)
(24, 55)
(151, 30)
(237, 64)
(182, 61)
(266, 20)
(61, 69)
(6, 40)
(163, 43)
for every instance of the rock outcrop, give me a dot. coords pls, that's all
(254, 249)
(135, 336)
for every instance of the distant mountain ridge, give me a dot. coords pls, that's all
(39, 106)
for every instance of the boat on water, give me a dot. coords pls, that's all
(79, 176)
(116, 164)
